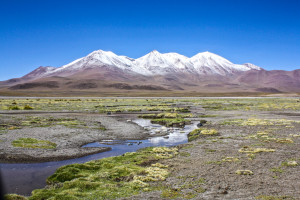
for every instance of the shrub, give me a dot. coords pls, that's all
(27, 107)
(14, 107)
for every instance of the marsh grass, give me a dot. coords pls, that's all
(108, 178)
(202, 132)
(244, 172)
(267, 136)
(171, 122)
(33, 143)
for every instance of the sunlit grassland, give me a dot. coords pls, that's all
(150, 104)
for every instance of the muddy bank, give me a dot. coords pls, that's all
(67, 131)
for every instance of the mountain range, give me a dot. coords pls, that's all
(102, 72)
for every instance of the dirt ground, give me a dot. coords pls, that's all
(206, 168)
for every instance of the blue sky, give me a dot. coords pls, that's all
(37, 33)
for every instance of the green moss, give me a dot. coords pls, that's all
(165, 115)
(148, 116)
(230, 159)
(51, 121)
(244, 172)
(201, 132)
(207, 116)
(187, 187)
(290, 163)
(15, 107)
(33, 143)
(14, 197)
(170, 193)
(265, 136)
(168, 119)
(277, 169)
(251, 150)
(171, 122)
(188, 146)
(210, 150)
(108, 178)
(102, 128)
(27, 107)
(185, 154)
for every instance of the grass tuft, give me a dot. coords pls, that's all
(33, 143)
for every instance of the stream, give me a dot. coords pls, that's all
(25, 177)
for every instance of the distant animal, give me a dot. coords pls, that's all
(140, 142)
(129, 144)
(199, 125)
(108, 113)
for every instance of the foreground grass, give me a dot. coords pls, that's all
(108, 178)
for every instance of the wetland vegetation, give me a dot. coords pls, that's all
(246, 148)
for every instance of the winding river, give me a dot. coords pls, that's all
(25, 177)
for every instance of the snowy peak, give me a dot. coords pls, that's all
(40, 72)
(208, 58)
(251, 66)
(153, 63)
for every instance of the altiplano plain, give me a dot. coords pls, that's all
(243, 148)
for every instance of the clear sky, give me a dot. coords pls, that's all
(37, 33)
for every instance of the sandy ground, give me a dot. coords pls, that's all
(68, 140)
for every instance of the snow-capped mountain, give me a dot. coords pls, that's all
(154, 63)
(103, 71)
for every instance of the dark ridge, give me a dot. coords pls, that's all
(13, 80)
(84, 86)
(48, 84)
(190, 84)
(268, 90)
(213, 85)
(148, 87)
(174, 87)
(126, 86)
(170, 79)
(123, 86)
